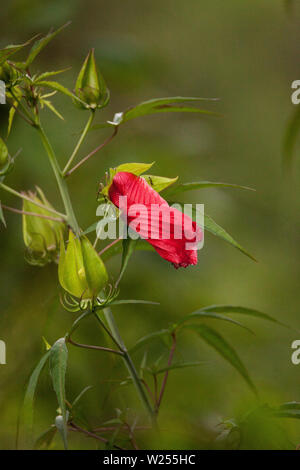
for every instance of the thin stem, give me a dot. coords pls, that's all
(108, 332)
(75, 427)
(34, 214)
(109, 139)
(81, 139)
(130, 365)
(109, 246)
(29, 119)
(27, 198)
(164, 382)
(90, 346)
(60, 180)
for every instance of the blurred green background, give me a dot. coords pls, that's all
(245, 53)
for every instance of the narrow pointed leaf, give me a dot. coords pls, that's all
(290, 138)
(12, 49)
(211, 226)
(148, 338)
(128, 248)
(238, 309)
(39, 45)
(200, 314)
(159, 105)
(181, 188)
(28, 404)
(215, 340)
(58, 368)
(2, 218)
(180, 365)
(288, 410)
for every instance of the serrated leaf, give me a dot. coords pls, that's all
(214, 339)
(58, 366)
(200, 314)
(52, 108)
(58, 87)
(242, 310)
(39, 45)
(181, 188)
(45, 75)
(12, 49)
(159, 105)
(159, 183)
(148, 338)
(28, 403)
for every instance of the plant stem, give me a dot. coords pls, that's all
(71, 219)
(130, 365)
(109, 139)
(32, 214)
(81, 139)
(164, 383)
(27, 198)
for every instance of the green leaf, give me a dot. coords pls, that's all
(181, 188)
(39, 45)
(159, 105)
(211, 226)
(52, 108)
(12, 49)
(2, 218)
(44, 441)
(159, 183)
(58, 87)
(200, 314)
(80, 395)
(45, 75)
(58, 367)
(288, 410)
(28, 403)
(214, 339)
(242, 310)
(148, 338)
(133, 301)
(180, 365)
(128, 248)
(135, 168)
(290, 137)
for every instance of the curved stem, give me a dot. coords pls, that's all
(33, 214)
(109, 139)
(130, 365)
(81, 139)
(91, 346)
(71, 219)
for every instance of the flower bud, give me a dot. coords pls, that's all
(41, 235)
(90, 86)
(81, 271)
(4, 157)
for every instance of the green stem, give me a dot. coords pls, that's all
(130, 365)
(62, 185)
(81, 139)
(23, 196)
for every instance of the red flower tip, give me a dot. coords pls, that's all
(168, 230)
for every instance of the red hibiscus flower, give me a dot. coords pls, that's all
(171, 233)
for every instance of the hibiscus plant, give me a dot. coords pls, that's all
(87, 289)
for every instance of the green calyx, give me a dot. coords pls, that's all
(90, 86)
(81, 271)
(41, 235)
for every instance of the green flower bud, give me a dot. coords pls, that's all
(90, 85)
(81, 272)
(4, 157)
(41, 235)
